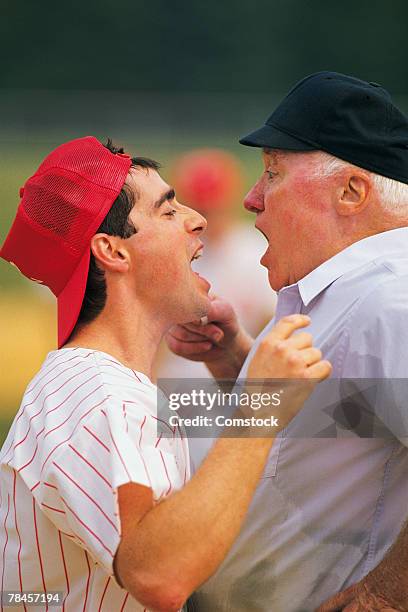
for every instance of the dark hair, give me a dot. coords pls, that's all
(116, 223)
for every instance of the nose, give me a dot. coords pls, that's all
(254, 200)
(194, 222)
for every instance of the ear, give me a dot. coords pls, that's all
(109, 252)
(353, 194)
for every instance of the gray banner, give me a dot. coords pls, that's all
(335, 408)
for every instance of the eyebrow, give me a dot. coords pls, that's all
(275, 155)
(169, 195)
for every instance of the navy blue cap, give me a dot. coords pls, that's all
(352, 119)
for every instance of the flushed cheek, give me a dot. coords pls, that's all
(292, 226)
(308, 194)
(281, 229)
(285, 212)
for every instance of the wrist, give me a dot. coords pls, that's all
(233, 357)
(240, 348)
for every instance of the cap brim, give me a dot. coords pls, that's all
(70, 299)
(271, 137)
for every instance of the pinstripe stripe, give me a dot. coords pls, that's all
(103, 594)
(87, 582)
(91, 466)
(42, 407)
(167, 474)
(124, 602)
(119, 455)
(141, 430)
(30, 388)
(39, 551)
(91, 531)
(50, 431)
(65, 569)
(70, 436)
(125, 416)
(18, 534)
(5, 546)
(96, 438)
(87, 495)
(51, 508)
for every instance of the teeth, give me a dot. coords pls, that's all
(197, 255)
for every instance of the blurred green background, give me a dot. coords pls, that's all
(160, 78)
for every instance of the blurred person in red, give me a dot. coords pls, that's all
(212, 181)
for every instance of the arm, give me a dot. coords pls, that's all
(222, 344)
(168, 550)
(384, 588)
(180, 542)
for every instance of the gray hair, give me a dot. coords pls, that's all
(393, 194)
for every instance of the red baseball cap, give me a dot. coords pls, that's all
(62, 205)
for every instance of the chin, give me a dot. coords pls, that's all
(275, 283)
(205, 308)
(198, 307)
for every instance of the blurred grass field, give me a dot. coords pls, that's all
(27, 310)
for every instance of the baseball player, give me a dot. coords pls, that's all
(97, 509)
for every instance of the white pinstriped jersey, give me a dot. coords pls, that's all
(86, 425)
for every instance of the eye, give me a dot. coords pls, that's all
(271, 174)
(170, 213)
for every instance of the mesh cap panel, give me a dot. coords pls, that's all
(80, 158)
(54, 204)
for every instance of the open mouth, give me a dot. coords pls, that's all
(198, 253)
(262, 232)
(265, 255)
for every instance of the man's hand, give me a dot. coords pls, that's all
(221, 343)
(384, 589)
(358, 598)
(281, 356)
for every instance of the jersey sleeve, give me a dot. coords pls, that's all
(117, 445)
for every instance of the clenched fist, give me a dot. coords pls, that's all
(282, 355)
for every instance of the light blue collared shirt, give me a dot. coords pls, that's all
(329, 506)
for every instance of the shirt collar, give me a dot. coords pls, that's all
(351, 258)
